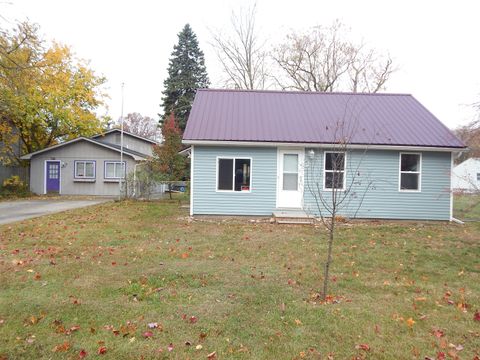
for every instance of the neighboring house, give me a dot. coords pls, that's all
(7, 171)
(87, 166)
(466, 176)
(252, 151)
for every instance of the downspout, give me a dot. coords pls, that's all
(457, 155)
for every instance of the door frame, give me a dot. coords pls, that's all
(301, 173)
(45, 176)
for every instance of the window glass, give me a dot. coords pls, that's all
(290, 181)
(225, 174)
(234, 174)
(410, 162)
(89, 169)
(334, 180)
(80, 169)
(478, 176)
(409, 172)
(119, 170)
(290, 163)
(110, 170)
(409, 181)
(242, 174)
(334, 170)
(335, 161)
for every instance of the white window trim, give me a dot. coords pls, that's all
(344, 170)
(75, 176)
(233, 174)
(400, 172)
(114, 177)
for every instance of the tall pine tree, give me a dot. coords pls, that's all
(186, 73)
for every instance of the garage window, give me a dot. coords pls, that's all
(84, 169)
(410, 172)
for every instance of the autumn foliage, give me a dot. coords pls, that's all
(47, 94)
(167, 161)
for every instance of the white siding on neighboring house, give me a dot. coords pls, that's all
(466, 176)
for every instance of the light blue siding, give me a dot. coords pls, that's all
(374, 193)
(374, 179)
(260, 201)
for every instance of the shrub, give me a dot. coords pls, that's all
(14, 186)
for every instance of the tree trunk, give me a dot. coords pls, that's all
(170, 190)
(329, 258)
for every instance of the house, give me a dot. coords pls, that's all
(13, 169)
(87, 166)
(466, 176)
(254, 152)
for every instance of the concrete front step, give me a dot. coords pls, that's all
(292, 216)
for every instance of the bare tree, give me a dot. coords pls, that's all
(140, 125)
(337, 184)
(243, 55)
(324, 59)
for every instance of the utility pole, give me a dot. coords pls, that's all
(123, 168)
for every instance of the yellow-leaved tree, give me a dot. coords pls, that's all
(47, 95)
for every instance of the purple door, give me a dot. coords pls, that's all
(53, 176)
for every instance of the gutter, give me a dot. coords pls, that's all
(324, 146)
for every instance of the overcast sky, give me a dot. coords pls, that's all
(435, 44)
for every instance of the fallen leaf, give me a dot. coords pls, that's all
(441, 356)
(184, 255)
(438, 333)
(298, 322)
(193, 319)
(364, 347)
(153, 325)
(199, 347)
(410, 322)
(62, 347)
(212, 355)
(476, 316)
(82, 354)
(74, 328)
(188, 343)
(101, 350)
(170, 347)
(147, 334)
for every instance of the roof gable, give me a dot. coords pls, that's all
(134, 154)
(125, 133)
(317, 118)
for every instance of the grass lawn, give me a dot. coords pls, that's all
(91, 280)
(467, 207)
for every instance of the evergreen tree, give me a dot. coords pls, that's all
(186, 73)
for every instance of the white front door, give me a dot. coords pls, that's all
(290, 178)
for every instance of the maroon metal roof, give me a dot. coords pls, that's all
(310, 117)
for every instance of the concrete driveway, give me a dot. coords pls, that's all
(11, 211)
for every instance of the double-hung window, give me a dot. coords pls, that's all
(84, 169)
(334, 171)
(410, 171)
(114, 170)
(233, 174)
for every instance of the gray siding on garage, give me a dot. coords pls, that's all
(67, 154)
(130, 142)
